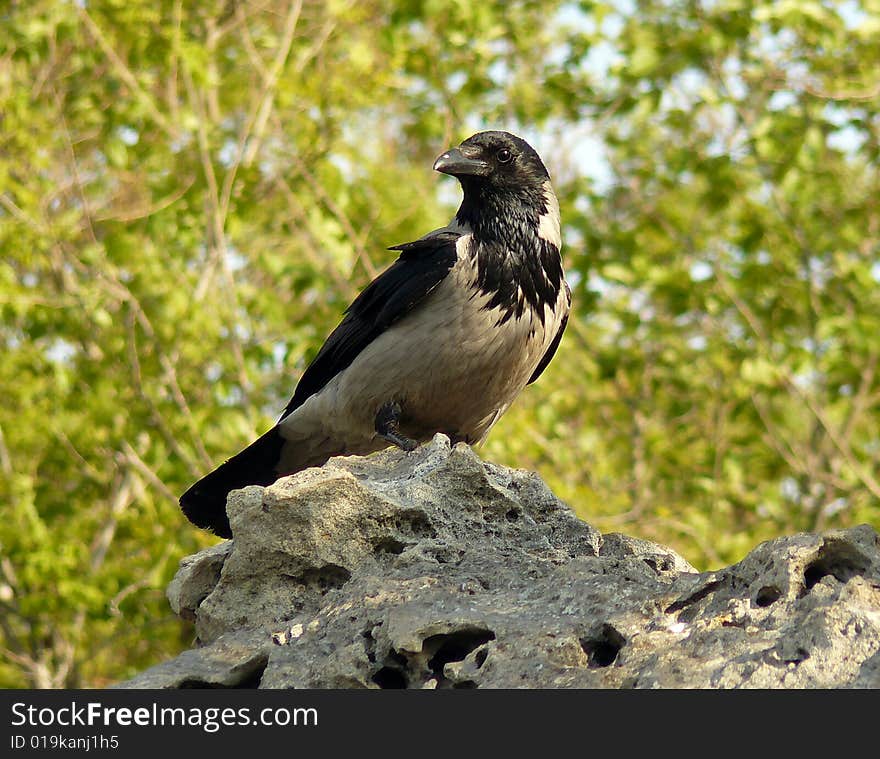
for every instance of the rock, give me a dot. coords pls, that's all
(236, 661)
(196, 578)
(433, 569)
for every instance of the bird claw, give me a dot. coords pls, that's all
(387, 426)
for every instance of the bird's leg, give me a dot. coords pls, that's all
(387, 426)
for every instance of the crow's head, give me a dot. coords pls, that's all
(507, 191)
(494, 161)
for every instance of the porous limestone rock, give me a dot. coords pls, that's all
(434, 569)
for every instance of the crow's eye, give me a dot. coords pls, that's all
(503, 155)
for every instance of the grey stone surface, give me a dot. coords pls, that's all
(196, 577)
(434, 569)
(238, 660)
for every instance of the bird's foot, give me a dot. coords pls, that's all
(387, 426)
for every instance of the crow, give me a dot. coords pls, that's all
(442, 341)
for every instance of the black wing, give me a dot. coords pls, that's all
(422, 266)
(551, 350)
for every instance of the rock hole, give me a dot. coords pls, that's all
(254, 679)
(659, 564)
(512, 515)
(767, 596)
(392, 675)
(465, 684)
(480, 657)
(323, 579)
(602, 649)
(389, 545)
(455, 646)
(800, 654)
(414, 524)
(389, 678)
(836, 559)
(369, 644)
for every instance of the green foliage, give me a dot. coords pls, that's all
(190, 194)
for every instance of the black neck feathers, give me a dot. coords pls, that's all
(517, 267)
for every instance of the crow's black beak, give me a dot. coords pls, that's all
(455, 162)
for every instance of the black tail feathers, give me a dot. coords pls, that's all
(204, 504)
